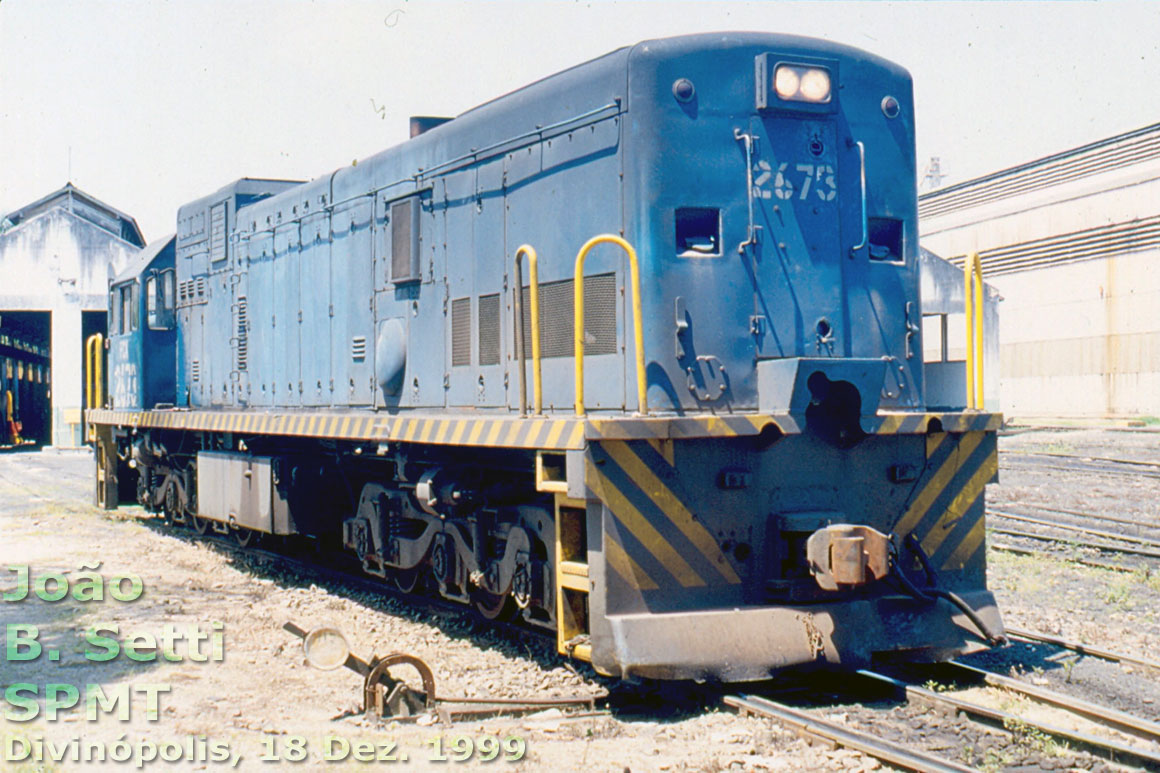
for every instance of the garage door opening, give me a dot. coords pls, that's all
(25, 379)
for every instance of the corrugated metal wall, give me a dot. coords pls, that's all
(1072, 243)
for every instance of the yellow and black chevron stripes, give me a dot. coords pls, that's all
(918, 423)
(625, 567)
(508, 432)
(632, 428)
(945, 513)
(658, 534)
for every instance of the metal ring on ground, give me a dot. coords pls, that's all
(325, 648)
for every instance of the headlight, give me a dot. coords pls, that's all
(802, 84)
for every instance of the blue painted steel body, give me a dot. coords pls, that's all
(615, 152)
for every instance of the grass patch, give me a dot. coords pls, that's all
(1046, 575)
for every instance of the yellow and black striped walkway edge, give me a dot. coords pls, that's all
(499, 431)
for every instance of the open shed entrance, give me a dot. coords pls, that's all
(25, 378)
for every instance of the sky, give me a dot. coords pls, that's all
(148, 104)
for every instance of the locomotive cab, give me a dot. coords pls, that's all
(143, 330)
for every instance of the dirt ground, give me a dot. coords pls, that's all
(269, 707)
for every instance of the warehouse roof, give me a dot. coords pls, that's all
(82, 205)
(1094, 158)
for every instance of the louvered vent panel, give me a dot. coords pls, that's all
(195, 370)
(243, 349)
(489, 330)
(217, 231)
(358, 348)
(461, 331)
(556, 313)
(201, 287)
(402, 240)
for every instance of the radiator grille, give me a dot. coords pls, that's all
(217, 231)
(557, 311)
(243, 348)
(402, 241)
(489, 330)
(461, 331)
(358, 348)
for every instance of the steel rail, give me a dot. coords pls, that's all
(1082, 543)
(1003, 548)
(1117, 751)
(1083, 649)
(1145, 729)
(1150, 542)
(893, 754)
(1091, 470)
(1084, 457)
(1080, 514)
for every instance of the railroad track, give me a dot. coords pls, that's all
(1083, 649)
(1099, 730)
(816, 728)
(1142, 750)
(1015, 459)
(1078, 534)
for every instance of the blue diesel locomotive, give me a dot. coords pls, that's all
(694, 446)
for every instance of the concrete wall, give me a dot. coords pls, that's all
(1076, 259)
(61, 263)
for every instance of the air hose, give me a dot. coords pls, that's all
(932, 592)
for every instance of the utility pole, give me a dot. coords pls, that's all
(933, 176)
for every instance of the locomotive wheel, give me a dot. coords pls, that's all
(493, 607)
(169, 504)
(199, 524)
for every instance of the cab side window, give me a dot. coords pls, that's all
(126, 316)
(114, 312)
(160, 294)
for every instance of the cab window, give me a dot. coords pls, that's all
(126, 316)
(114, 312)
(160, 294)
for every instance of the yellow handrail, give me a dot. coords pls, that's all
(578, 324)
(94, 385)
(534, 293)
(973, 303)
(9, 418)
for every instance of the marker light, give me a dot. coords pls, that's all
(802, 84)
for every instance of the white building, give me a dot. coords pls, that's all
(56, 257)
(1072, 243)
